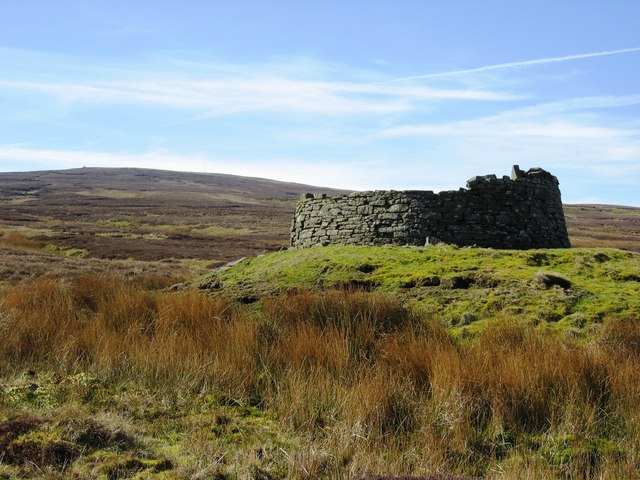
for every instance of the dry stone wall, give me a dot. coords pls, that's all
(518, 212)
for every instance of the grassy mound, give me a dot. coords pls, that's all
(569, 289)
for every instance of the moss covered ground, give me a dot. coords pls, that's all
(59, 426)
(570, 289)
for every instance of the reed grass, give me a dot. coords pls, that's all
(19, 241)
(368, 385)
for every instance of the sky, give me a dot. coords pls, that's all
(354, 94)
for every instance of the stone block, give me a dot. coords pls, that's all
(399, 207)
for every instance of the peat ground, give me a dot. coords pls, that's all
(153, 215)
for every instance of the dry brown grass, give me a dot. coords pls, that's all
(19, 241)
(151, 214)
(603, 225)
(374, 388)
(17, 265)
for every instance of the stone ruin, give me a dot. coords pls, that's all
(519, 212)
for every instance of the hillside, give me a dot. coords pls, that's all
(151, 214)
(603, 226)
(568, 289)
(154, 214)
(178, 225)
(138, 183)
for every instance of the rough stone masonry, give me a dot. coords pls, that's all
(521, 212)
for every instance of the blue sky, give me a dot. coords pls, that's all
(401, 94)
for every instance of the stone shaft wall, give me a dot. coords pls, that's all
(521, 212)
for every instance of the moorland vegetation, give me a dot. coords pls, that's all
(108, 378)
(122, 356)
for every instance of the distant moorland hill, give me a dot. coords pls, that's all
(151, 214)
(132, 213)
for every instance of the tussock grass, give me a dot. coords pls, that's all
(19, 241)
(363, 384)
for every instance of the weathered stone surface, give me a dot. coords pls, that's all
(521, 212)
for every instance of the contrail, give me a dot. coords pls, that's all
(524, 63)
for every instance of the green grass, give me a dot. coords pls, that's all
(104, 429)
(461, 285)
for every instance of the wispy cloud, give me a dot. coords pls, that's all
(576, 104)
(565, 136)
(518, 64)
(226, 89)
(325, 124)
(217, 97)
(552, 119)
(262, 93)
(80, 158)
(487, 128)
